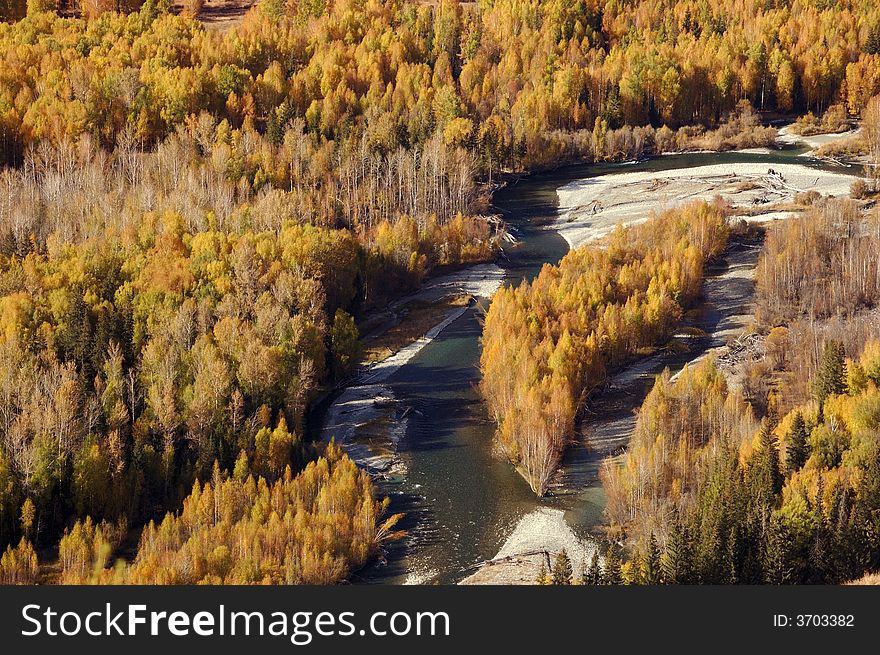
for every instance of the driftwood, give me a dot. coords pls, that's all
(593, 207)
(511, 559)
(745, 346)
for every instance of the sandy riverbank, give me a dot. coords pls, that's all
(591, 208)
(786, 136)
(365, 418)
(537, 538)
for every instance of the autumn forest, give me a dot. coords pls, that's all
(197, 223)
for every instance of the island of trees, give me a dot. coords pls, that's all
(548, 343)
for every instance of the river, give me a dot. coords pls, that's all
(460, 501)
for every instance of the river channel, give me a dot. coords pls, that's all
(460, 501)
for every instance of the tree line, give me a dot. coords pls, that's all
(820, 263)
(517, 85)
(314, 527)
(134, 360)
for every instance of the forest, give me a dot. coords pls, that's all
(193, 220)
(515, 85)
(133, 365)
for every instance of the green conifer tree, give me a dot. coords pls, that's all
(562, 569)
(769, 470)
(819, 560)
(797, 450)
(872, 43)
(831, 377)
(676, 562)
(593, 575)
(612, 574)
(651, 569)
